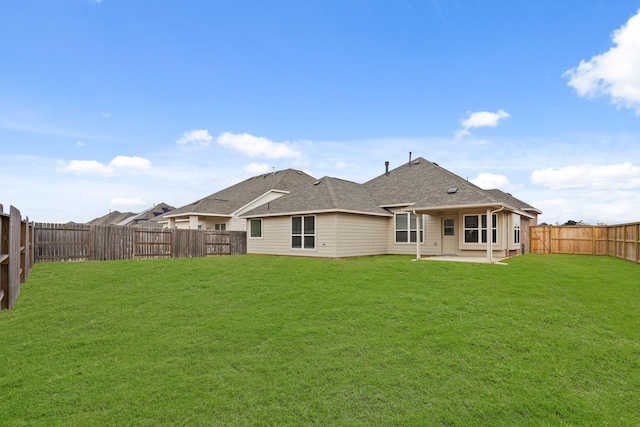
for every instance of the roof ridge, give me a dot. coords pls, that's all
(332, 193)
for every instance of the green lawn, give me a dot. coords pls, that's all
(249, 340)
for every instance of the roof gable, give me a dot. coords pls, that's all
(324, 195)
(230, 199)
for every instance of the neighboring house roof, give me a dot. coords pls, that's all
(324, 195)
(145, 218)
(226, 202)
(111, 218)
(420, 185)
(149, 217)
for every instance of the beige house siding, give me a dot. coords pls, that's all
(431, 230)
(275, 240)
(504, 228)
(360, 235)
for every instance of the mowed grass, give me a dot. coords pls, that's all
(251, 340)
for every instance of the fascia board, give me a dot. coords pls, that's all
(240, 210)
(313, 212)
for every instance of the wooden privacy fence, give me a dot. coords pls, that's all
(82, 242)
(16, 255)
(620, 241)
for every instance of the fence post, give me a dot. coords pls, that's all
(4, 259)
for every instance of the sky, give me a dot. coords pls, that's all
(120, 105)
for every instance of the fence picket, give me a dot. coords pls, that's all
(81, 242)
(620, 241)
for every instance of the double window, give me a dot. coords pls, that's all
(221, 227)
(475, 229)
(303, 232)
(406, 225)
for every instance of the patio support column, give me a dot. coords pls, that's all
(418, 255)
(193, 222)
(489, 236)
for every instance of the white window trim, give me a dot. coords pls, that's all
(303, 235)
(409, 229)
(480, 229)
(517, 230)
(261, 228)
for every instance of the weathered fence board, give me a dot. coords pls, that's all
(620, 241)
(81, 242)
(16, 255)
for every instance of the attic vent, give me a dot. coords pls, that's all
(416, 162)
(299, 173)
(452, 190)
(317, 182)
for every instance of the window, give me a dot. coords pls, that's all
(406, 228)
(303, 232)
(255, 228)
(475, 229)
(221, 227)
(516, 229)
(449, 227)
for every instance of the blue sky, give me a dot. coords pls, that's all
(119, 105)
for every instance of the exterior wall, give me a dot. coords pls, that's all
(275, 240)
(525, 232)
(504, 245)
(430, 246)
(337, 235)
(237, 224)
(360, 235)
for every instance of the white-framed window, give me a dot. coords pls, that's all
(516, 229)
(303, 232)
(255, 228)
(475, 229)
(221, 227)
(406, 228)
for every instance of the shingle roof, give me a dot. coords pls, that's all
(131, 218)
(324, 195)
(509, 199)
(229, 200)
(111, 218)
(424, 184)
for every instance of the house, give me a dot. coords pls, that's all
(147, 218)
(418, 208)
(222, 210)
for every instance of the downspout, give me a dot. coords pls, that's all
(490, 235)
(418, 255)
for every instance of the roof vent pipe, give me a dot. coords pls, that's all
(386, 168)
(409, 158)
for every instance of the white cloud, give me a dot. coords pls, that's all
(255, 146)
(490, 181)
(94, 167)
(198, 137)
(106, 115)
(480, 119)
(615, 73)
(80, 144)
(617, 176)
(133, 163)
(256, 168)
(128, 204)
